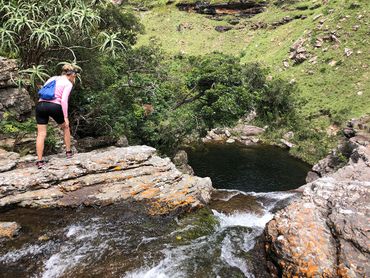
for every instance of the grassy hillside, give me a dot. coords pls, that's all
(334, 88)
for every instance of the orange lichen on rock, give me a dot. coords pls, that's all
(149, 193)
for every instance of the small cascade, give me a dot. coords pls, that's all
(223, 240)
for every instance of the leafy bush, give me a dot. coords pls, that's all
(275, 103)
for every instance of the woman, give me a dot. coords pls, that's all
(56, 108)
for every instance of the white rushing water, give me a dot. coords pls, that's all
(234, 241)
(88, 242)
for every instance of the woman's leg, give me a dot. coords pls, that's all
(40, 141)
(67, 136)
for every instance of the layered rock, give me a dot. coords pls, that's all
(13, 100)
(325, 233)
(103, 177)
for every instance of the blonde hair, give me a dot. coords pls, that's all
(68, 68)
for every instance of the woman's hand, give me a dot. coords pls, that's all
(66, 121)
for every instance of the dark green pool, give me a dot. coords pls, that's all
(256, 168)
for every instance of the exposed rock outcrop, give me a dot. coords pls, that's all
(357, 133)
(13, 99)
(103, 177)
(240, 8)
(242, 133)
(326, 232)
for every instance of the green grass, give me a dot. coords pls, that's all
(328, 95)
(323, 87)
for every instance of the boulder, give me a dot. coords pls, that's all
(122, 142)
(298, 52)
(325, 233)
(223, 28)
(90, 143)
(9, 229)
(103, 177)
(181, 161)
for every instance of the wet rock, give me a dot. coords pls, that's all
(181, 161)
(325, 232)
(9, 229)
(104, 177)
(231, 202)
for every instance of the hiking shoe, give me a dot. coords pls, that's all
(69, 154)
(40, 164)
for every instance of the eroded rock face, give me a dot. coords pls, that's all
(326, 233)
(12, 99)
(103, 177)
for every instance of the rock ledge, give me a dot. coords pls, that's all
(103, 177)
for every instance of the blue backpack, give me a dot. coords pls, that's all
(48, 91)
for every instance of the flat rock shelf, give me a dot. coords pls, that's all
(104, 177)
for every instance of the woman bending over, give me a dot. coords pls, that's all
(57, 108)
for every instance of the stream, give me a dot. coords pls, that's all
(223, 240)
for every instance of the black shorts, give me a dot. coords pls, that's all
(45, 109)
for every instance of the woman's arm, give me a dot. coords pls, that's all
(65, 96)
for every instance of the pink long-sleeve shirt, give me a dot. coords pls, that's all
(63, 88)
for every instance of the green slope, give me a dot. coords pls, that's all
(341, 91)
